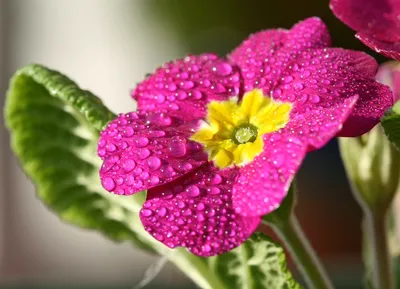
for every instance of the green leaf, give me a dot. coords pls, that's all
(54, 127)
(258, 263)
(391, 124)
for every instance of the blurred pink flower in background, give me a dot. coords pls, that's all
(377, 23)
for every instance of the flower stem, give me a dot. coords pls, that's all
(290, 232)
(377, 240)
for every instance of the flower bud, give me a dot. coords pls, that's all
(373, 166)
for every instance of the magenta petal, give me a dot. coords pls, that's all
(184, 87)
(379, 18)
(196, 212)
(325, 85)
(377, 23)
(389, 74)
(264, 55)
(141, 151)
(264, 183)
(388, 49)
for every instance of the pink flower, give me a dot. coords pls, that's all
(389, 74)
(216, 142)
(377, 23)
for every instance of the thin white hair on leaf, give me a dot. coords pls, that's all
(152, 272)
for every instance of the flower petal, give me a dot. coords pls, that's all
(389, 74)
(184, 87)
(324, 85)
(263, 183)
(141, 151)
(264, 55)
(377, 23)
(196, 212)
(388, 49)
(378, 18)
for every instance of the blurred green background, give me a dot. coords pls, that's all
(107, 46)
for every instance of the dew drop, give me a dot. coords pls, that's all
(201, 217)
(206, 248)
(102, 143)
(143, 153)
(128, 131)
(141, 141)
(216, 179)
(154, 180)
(177, 146)
(128, 165)
(213, 191)
(108, 184)
(181, 94)
(299, 86)
(160, 119)
(147, 212)
(154, 163)
(192, 191)
(174, 106)
(162, 212)
(156, 133)
(223, 69)
(187, 84)
(138, 184)
(111, 147)
(287, 79)
(278, 160)
(315, 98)
(160, 98)
(200, 206)
(181, 205)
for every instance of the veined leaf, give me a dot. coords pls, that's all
(258, 263)
(54, 127)
(391, 124)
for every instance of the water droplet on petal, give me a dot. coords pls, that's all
(128, 165)
(200, 206)
(223, 69)
(177, 146)
(181, 204)
(192, 191)
(141, 141)
(216, 179)
(187, 84)
(153, 163)
(206, 248)
(147, 212)
(315, 98)
(287, 79)
(108, 184)
(162, 212)
(110, 147)
(213, 191)
(143, 153)
(154, 180)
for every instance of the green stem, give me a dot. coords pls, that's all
(290, 232)
(378, 242)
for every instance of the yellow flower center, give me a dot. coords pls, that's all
(233, 132)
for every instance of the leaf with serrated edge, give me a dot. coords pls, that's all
(54, 127)
(259, 263)
(391, 125)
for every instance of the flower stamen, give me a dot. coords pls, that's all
(233, 132)
(245, 133)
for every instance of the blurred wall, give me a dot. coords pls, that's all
(3, 138)
(107, 46)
